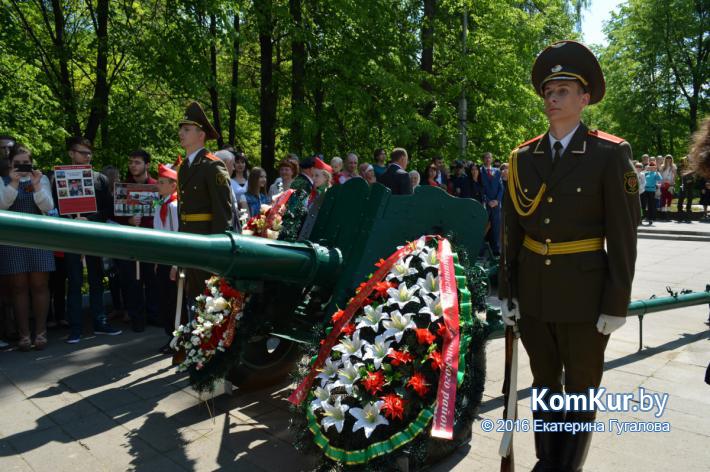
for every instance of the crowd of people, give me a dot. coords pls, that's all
(46, 287)
(661, 181)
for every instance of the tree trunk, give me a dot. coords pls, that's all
(427, 66)
(99, 103)
(319, 98)
(214, 93)
(298, 72)
(235, 84)
(267, 102)
(67, 91)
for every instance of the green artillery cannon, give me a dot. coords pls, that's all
(355, 226)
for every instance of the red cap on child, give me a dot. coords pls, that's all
(322, 165)
(167, 172)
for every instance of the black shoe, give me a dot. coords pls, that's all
(138, 324)
(107, 329)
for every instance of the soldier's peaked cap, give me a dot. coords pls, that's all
(195, 115)
(569, 60)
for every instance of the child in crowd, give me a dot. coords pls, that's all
(166, 219)
(322, 179)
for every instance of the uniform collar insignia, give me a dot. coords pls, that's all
(583, 150)
(537, 147)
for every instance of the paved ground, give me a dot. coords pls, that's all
(112, 403)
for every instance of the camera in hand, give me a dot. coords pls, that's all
(23, 167)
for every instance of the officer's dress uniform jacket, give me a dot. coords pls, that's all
(591, 192)
(204, 195)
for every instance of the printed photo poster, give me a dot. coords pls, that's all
(75, 189)
(134, 199)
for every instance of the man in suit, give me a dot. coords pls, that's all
(570, 219)
(204, 194)
(396, 177)
(492, 197)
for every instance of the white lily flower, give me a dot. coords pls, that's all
(401, 269)
(429, 258)
(220, 304)
(378, 351)
(368, 418)
(397, 325)
(371, 318)
(402, 295)
(334, 415)
(430, 284)
(322, 397)
(432, 308)
(348, 375)
(329, 369)
(351, 346)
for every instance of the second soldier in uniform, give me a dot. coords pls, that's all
(204, 194)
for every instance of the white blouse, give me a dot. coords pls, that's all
(43, 198)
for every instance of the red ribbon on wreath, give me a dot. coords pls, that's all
(353, 306)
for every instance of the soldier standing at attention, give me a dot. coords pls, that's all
(204, 194)
(569, 244)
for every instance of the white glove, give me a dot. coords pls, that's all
(607, 324)
(509, 315)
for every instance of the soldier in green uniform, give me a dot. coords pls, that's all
(204, 198)
(569, 241)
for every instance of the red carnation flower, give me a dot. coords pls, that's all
(348, 329)
(379, 263)
(374, 381)
(360, 287)
(418, 384)
(442, 331)
(337, 315)
(400, 357)
(436, 360)
(227, 290)
(382, 287)
(393, 406)
(424, 336)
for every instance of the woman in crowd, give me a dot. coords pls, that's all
(474, 174)
(668, 176)
(27, 191)
(430, 174)
(240, 177)
(414, 178)
(255, 196)
(288, 170)
(648, 197)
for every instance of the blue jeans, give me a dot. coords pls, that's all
(75, 277)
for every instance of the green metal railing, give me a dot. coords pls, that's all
(639, 308)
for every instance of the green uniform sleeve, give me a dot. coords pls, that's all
(622, 215)
(512, 235)
(220, 199)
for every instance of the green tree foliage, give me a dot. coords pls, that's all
(346, 75)
(657, 70)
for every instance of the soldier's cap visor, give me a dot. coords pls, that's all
(569, 60)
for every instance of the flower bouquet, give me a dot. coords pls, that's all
(217, 314)
(387, 373)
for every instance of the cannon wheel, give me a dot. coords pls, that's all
(258, 368)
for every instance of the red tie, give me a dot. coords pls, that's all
(490, 173)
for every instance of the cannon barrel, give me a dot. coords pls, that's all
(228, 254)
